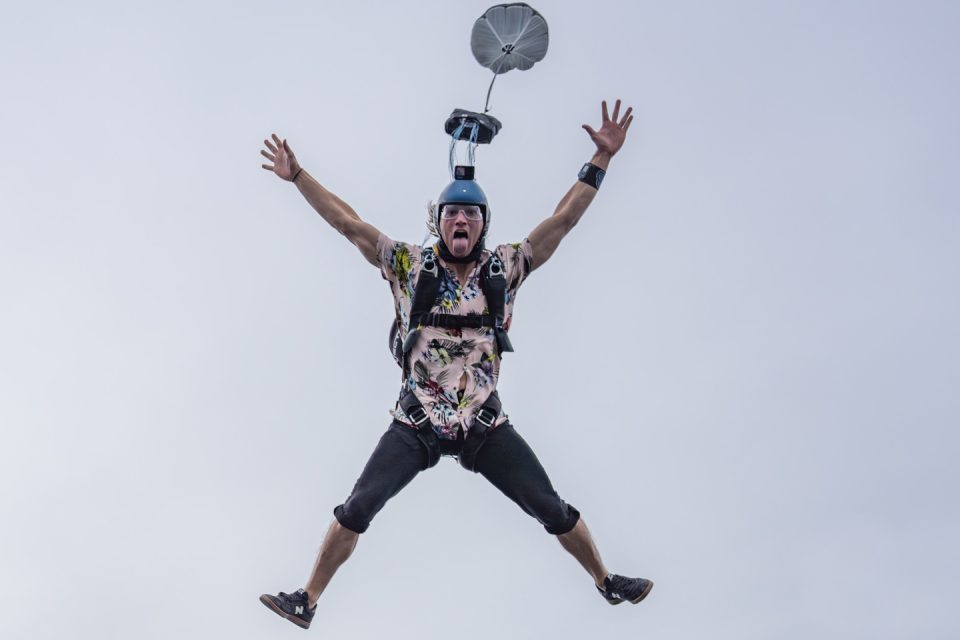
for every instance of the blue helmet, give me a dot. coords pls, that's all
(464, 190)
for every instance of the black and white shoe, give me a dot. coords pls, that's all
(616, 589)
(295, 607)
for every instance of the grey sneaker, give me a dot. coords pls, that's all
(295, 607)
(616, 589)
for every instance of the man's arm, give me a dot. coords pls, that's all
(335, 211)
(545, 239)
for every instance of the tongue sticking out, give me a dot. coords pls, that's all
(461, 244)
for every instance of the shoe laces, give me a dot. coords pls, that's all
(624, 586)
(299, 594)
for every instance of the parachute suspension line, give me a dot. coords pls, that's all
(486, 107)
(453, 146)
(472, 145)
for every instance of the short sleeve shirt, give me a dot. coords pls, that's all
(452, 371)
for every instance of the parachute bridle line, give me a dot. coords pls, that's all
(471, 144)
(486, 107)
(453, 146)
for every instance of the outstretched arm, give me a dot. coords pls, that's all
(335, 211)
(545, 239)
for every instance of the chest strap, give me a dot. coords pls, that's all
(453, 321)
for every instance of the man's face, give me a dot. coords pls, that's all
(460, 227)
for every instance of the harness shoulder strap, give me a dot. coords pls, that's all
(493, 282)
(424, 294)
(427, 287)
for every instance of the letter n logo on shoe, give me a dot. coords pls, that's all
(298, 610)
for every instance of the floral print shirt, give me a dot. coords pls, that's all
(444, 360)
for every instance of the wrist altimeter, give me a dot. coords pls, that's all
(591, 174)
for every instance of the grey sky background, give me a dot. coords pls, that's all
(742, 365)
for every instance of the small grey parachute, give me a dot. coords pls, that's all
(509, 36)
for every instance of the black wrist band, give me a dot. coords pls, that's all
(294, 178)
(592, 175)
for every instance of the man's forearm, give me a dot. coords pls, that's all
(574, 204)
(547, 236)
(331, 208)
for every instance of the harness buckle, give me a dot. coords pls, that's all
(418, 415)
(485, 417)
(495, 267)
(429, 263)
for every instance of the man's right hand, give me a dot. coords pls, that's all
(284, 162)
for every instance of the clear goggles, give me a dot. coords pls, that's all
(470, 211)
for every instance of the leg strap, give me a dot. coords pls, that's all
(482, 423)
(418, 415)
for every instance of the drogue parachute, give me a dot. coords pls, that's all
(509, 36)
(506, 37)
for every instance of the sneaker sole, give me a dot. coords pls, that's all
(268, 602)
(644, 593)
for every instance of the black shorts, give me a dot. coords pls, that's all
(504, 459)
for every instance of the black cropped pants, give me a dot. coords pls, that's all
(504, 459)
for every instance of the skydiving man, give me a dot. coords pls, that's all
(454, 304)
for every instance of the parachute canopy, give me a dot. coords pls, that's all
(509, 36)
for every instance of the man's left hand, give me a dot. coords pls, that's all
(613, 131)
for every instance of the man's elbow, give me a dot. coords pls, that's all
(345, 227)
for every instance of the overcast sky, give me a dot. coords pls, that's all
(742, 366)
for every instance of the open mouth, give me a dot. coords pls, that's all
(460, 234)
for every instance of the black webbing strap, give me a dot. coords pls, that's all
(414, 410)
(425, 433)
(477, 434)
(493, 282)
(452, 321)
(427, 287)
(424, 294)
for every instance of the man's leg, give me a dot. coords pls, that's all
(397, 459)
(579, 543)
(337, 546)
(509, 463)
